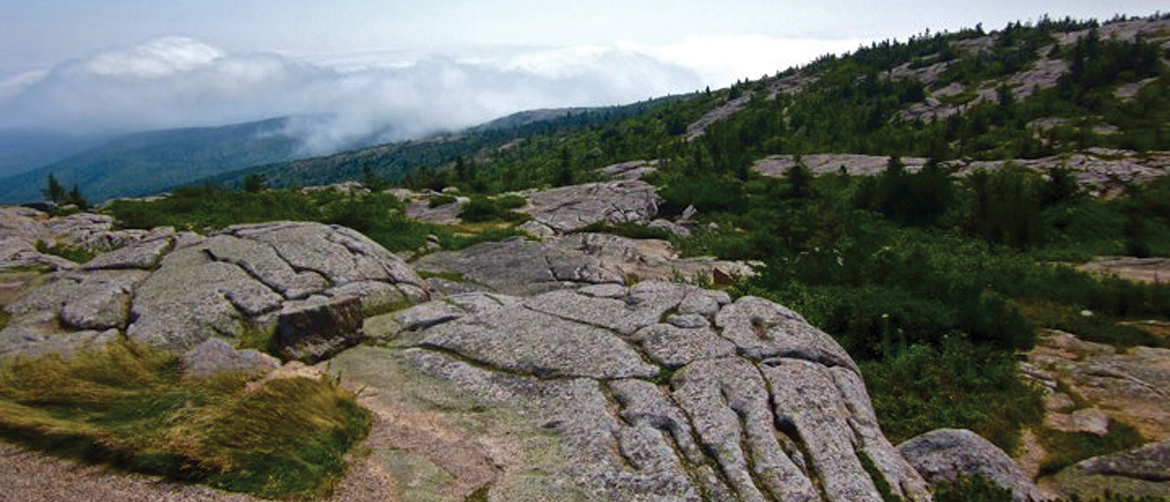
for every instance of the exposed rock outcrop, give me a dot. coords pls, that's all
(21, 228)
(1097, 170)
(656, 392)
(177, 291)
(942, 456)
(565, 209)
(1141, 472)
(1130, 386)
(520, 267)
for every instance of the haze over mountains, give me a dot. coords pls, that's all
(339, 108)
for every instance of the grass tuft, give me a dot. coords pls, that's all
(128, 407)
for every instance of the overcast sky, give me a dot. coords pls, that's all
(412, 67)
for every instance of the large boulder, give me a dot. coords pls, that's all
(175, 291)
(943, 455)
(316, 331)
(655, 392)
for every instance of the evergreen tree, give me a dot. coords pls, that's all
(564, 174)
(74, 197)
(254, 183)
(54, 191)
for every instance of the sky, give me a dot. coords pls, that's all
(403, 69)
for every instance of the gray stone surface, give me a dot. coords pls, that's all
(642, 409)
(216, 356)
(520, 267)
(941, 456)
(569, 208)
(176, 291)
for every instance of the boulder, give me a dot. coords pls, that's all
(315, 331)
(943, 455)
(216, 356)
(638, 407)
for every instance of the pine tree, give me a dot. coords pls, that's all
(54, 191)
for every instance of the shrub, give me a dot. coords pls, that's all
(440, 200)
(961, 386)
(1067, 448)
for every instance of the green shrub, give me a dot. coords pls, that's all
(482, 209)
(627, 229)
(1067, 448)
(511, 201)
(961, 386)
(128, 407)
(440, 200)
(972, 489)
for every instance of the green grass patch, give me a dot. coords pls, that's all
(1067, 448)
(127, 406)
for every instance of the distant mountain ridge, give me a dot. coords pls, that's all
(150, 162)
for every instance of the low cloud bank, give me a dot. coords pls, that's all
(180, 82)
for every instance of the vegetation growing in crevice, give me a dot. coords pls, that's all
(75, 254)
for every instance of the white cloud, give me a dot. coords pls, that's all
(158, 58)
(176, 82)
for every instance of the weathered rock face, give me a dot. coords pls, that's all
(562, 210)
(216, 356)
(943, 455)
(656, 392)
(1097, 170)
(520, 267)
(1131, 387)
(21, 228)
(176, 291)
(1141, 472)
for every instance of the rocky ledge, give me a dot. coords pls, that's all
(175, 291)
(656, 392)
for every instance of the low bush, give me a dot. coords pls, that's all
(127, 406)
(628, 230)
(960, 386)
(1067, 448)
(482, 209)
(440, 200)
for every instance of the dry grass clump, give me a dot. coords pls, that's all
(127, 406)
